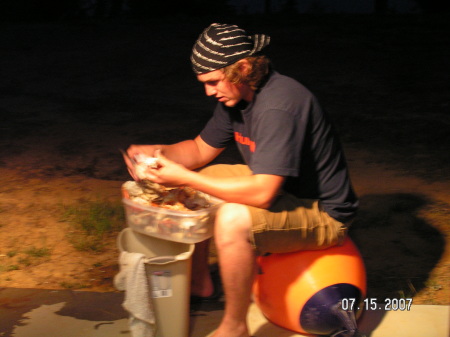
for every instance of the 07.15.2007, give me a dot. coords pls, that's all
(370, 303)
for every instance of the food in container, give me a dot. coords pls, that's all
(176, 214)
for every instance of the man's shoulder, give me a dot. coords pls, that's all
(284, 91)
(279, 82)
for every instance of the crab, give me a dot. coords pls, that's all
(147, 192)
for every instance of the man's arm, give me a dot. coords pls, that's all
(192, 153)
(258, 190)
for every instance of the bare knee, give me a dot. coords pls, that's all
(233, 223)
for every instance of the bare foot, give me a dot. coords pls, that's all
(231, 331)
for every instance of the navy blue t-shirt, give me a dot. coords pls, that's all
(285, 132)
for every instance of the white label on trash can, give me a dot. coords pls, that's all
(161, 286)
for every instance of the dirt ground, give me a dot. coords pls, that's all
(72, 94)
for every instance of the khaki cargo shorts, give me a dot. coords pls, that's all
(290, 224)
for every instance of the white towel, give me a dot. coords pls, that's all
(138, 302)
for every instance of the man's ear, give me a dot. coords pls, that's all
(244, 66)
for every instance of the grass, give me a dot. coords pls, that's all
(11, 267)
(33, 256)
(11, 253)
(29, 257)
(38, 252)
(91, 221)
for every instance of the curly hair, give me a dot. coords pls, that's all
(259, 68)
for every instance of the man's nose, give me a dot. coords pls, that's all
(210, 90)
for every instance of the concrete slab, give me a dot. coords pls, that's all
(65, 313)
(62, 313)
(420, 321)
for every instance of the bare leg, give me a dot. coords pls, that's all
(237, 268)
(201, 284)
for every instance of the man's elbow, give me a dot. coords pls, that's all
(267, 189)
(266, 200)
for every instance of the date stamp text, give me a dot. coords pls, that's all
(371, 304)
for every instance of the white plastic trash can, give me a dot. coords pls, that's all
(169, 273)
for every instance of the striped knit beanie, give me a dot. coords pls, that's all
(220, 45)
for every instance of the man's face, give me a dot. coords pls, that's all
(223, 90)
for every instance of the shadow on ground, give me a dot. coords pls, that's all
(399, 248)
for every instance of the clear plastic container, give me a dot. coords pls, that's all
(173, 225)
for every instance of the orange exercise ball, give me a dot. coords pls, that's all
(307, 291)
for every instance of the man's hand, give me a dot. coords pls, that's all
(135, 150)
(168, 172)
